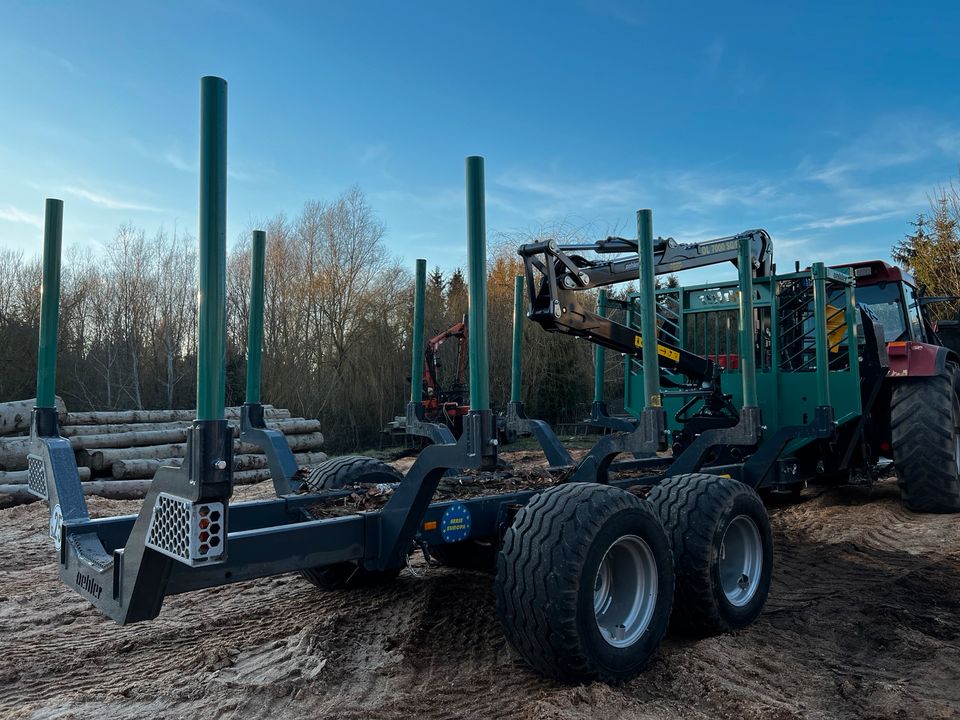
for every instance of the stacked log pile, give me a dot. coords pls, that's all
(118, 452)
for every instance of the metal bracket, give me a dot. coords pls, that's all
(745, 433)
(600, 418)
(280, 460)
(648, 438)
(416, 425)
(759, 465)
(390, 533)
(517, 422)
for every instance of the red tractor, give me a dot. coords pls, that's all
(915, 419)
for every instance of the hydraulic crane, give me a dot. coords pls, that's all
(556, 305)
(446, 405)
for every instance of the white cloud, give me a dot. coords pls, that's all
(574, 193)
(173, 158)
(702, 192)
(377, 152)
(889, 143)
(846, 220)
(16, 215)
(112, 203)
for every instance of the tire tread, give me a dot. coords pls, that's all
(922, 435)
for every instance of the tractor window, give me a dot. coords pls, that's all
(884, 301)
(913, 311)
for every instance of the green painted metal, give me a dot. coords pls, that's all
(852, 317)
(516, 360)
(630, 363)
(49, 304)
(258, 249)
(820, 333)
(598, 354)
(773, 407)
(748, 357)
(648, 310)
(212, 326)
(417, 342)
(477, 278)
(785, 395)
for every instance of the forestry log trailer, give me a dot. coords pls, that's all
(587, 573)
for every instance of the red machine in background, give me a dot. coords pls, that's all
(446, 405)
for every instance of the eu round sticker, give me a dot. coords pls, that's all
(455, 524)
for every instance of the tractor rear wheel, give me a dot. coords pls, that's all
(335, 474)
(722, 550)
(585, 583)
(925, 433)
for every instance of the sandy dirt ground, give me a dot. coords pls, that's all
(863, 621)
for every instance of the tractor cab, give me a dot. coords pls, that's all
(892, 296)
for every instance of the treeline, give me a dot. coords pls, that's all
(932, 251)
(338, 319)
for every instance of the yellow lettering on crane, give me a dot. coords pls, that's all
(661, 350)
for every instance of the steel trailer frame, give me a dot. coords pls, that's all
(188, 535)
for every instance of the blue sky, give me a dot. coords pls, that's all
(828, 123)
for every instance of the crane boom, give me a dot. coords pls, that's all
(554, 275)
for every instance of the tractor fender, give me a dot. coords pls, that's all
(915, 359)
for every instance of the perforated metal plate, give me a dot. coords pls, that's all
(36, 476)
(192, 533)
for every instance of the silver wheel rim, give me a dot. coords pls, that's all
(741, 560)
(625, 591)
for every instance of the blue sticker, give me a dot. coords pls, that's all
(455, 524)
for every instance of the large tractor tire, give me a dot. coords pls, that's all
(333, 475)
(722, 551)
(925, 430)
(584, 583)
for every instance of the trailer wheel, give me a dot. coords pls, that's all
(722, 550)
(467, 555)
(333, 475)
(339, 472)
(585, 583)
(925, 430)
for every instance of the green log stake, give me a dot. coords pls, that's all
(516, 360)
(416, 342)
(212, 325)
(49, 304)
(821, 337)
(648, 311)
(748, 356)
(598, 354)
(258, 245)
(477, 278)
